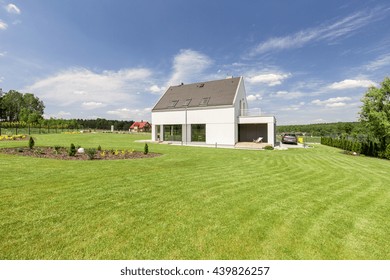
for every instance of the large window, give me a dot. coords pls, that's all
(198, 133)
(172, 132)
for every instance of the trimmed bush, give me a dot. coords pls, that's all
(31, 143)
(72, 150)
(269, 147)
(146, 149)
(91, 153)
(387, 152)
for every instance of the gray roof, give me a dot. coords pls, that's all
(203, 94)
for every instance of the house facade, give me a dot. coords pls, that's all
(140, 127)
(213, 113)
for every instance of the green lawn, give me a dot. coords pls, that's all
(193, 203)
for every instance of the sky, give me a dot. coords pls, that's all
(303, 61)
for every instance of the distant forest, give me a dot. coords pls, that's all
(323, 129)
(98, 123)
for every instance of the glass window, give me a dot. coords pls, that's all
(198, 133)
(173, 132)
(173, 103)
(187, 102)
(204, 101)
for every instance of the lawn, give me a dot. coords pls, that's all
(193, 203)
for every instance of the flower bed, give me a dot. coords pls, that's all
(13, 137)
(63, 153)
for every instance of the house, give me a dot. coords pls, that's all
(213, 113)
(140, 127)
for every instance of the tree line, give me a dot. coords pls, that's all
(25, 109)
(324, 129)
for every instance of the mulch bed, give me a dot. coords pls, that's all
(62, 154)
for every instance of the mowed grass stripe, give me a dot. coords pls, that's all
(194, 203)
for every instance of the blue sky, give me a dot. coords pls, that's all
(303, 61)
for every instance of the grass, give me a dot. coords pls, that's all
(193, 203)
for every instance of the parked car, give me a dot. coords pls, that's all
(290, 138)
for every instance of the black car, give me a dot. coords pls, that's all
(289, 138)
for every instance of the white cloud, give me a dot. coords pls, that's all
(12, 9)
(347, 84)
(3, 25)
(135, 114)
(334, 102)
(254, 97)
(78, 86)
(287, 94)
(293, 107)
(271, 79)
(2, 54)
(156, 89)
(92, 105)
(326, 32)
(188, 66)
(381, 62)
(59, 115)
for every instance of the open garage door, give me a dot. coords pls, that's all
(249, 132)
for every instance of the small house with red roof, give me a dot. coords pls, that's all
(140, 127)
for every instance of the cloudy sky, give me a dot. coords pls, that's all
(303, 61)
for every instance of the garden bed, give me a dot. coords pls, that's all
(62, 153)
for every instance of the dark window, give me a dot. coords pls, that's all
(198, 133)
(187, 102)
(204, 101)
(173, 103)
(172, 132)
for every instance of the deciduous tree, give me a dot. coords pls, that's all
(375, 113)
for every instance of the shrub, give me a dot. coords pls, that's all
(387, 152)
(31, 143)
(72, 150)
(91, 153)
(99, 148)
(269, 147)
(146, 149)
(57, 149)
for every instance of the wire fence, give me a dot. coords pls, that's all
(37, 129)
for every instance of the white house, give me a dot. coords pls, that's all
(213, 113)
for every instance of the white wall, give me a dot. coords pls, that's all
(240, 103)
(220, 123)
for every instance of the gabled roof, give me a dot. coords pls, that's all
(203, 94)
(139, 124)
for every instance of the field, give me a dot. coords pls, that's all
(193, 203)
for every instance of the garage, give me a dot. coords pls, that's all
(249, 132)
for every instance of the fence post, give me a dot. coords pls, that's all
(16, 130)
(29, 131)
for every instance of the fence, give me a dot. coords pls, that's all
(36, 129)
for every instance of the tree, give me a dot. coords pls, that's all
(11, 104)
(32, 109)
(375, 113)
(16, 106)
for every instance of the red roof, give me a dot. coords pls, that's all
(139, 125)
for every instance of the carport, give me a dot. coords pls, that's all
(249, 132)
(253, 127)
